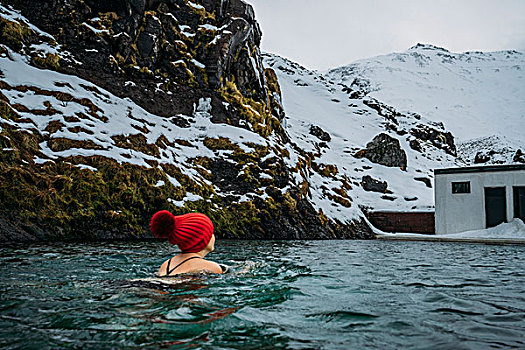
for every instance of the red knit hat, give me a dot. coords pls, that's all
(191, 232)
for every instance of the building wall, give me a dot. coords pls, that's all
(411, 222)
(466, 211)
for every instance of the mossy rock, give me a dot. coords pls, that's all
(326, 170)
(136, 142)
(14, 34)
(254, 112)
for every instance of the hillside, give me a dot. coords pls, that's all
(113, 111)
(385, 156)
(477, 95)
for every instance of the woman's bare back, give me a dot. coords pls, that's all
(188, 264)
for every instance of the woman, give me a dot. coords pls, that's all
(193, 233)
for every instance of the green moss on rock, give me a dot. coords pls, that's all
(14, 34)
(256, 113)
(136, 142)
(50, 61)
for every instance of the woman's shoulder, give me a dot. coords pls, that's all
(210, 266)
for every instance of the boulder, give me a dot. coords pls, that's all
(519, 157)
(481, 157)
(416, 145)
(384, 150)
(320, 133)
(371, 184)
(438, 138)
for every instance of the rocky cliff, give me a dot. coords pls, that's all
(113, 110)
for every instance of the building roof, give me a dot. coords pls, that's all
(480, 169)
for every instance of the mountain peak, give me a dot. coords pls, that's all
(427, 47)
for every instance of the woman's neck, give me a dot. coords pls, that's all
(201, 254)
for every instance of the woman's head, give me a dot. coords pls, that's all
(211, 244)
(191, 232)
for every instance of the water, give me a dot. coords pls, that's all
(297, 295)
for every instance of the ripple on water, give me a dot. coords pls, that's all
(315, 294)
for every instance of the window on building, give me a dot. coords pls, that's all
(461, 187)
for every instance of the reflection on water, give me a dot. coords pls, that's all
(313, 294)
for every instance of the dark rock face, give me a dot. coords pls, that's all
(188, 51)
(320, 133)
(416, 145)
(384, 150)
(440, 139)
(386, 111)
(353, 94)
(481, 157)
(519, 157)
(371, 184)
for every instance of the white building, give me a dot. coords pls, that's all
(475, 198)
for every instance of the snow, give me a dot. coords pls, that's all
(173, 17)
(198, 64)
(38, 160)
(195, 6)
(17, 72)
(190, 197)
(44, 48)
(13, 15)
(483, 91)
(309, 98)
(47, 46)
(255, 69)
(94, 30)
(173, 181)
(185, 31)
(514, 230)
(265, 176)
(88, 167)
(208, 27)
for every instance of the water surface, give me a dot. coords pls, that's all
(297, 295)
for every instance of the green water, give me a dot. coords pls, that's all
(297, 295)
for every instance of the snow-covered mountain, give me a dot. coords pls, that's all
(479, 96)
(344, 122)
(112, 111)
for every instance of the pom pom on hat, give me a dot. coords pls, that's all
(162, 224)
(191, 232)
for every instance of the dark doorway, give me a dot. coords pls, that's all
(495, 205)
(519, 202)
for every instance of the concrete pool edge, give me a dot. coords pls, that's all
(432, 238)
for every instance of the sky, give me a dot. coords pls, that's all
(322, 34)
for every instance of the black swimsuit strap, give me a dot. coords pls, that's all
(168, 271)
(168, 267)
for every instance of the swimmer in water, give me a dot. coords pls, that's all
(193, 233)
